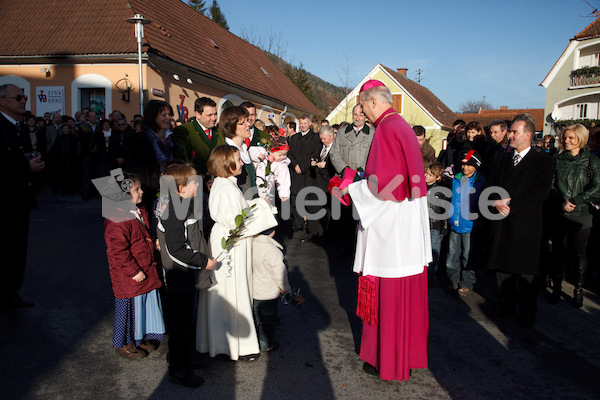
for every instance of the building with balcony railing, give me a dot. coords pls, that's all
(573, 83)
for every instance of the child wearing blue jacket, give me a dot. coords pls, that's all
(466, 188)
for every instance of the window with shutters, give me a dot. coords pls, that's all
(397, 103)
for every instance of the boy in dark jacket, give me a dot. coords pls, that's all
(186, 267)
(438, 225)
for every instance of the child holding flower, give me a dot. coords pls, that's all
(225, 318)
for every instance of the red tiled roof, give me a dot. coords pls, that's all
(428, 100)
(177, 32)
(486, 117)
(592, 30)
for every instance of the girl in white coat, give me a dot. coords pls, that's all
(225, 320)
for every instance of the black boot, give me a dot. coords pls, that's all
(555, 295)
(579, 278)
(578, 297)
(556, 289)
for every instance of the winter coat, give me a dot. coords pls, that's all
(302, 150)
(571, 182)
(440, 225)
(351, 150)
(269, 273)
(457, 222)
(515, 239)
(183, 249)
(130, 249)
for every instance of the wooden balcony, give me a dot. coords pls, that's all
(585, 79)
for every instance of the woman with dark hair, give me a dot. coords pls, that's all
(576, 185)
(148, 151)
(476, 139)
(235, 126)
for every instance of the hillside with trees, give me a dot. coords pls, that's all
(324, 95)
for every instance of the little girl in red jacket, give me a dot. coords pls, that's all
(139, 322)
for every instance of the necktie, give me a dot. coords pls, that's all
(516, 159)
(323, 153)
(208, 134)
(247, 141)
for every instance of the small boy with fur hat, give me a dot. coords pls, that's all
(464, 201)
(269, 280)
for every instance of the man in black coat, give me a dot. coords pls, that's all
(17, 163)
(304, 147)
(91, 143)
(515, 239)
(322, 171)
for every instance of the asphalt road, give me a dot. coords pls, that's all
(62, 348)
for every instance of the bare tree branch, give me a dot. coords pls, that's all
(474, 106)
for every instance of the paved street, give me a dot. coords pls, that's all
(62, 348)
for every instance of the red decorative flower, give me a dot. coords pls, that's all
(334, 189)
(334, 182)
(282, 131)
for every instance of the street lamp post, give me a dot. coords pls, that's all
(139, 22)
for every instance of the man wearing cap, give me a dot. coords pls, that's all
(193, 142)
(352, 143)
(526, 176)
(394, 246)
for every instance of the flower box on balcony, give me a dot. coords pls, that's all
(585, 76)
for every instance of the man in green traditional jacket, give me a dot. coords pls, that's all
(194, 141)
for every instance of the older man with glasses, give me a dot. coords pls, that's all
(18, 164)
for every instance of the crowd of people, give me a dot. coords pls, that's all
(551, 228)
(209, 273)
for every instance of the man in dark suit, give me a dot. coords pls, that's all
(304, 147)
(91, 142)
(18, 163)
(323, 171)
(526, 175)
(255, 134)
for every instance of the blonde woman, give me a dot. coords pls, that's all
(576, 185)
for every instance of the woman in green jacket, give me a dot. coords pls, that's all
(576, 185)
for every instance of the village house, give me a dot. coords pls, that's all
(486, 117)
(415, 103)
(573, 83)
(71, 54)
